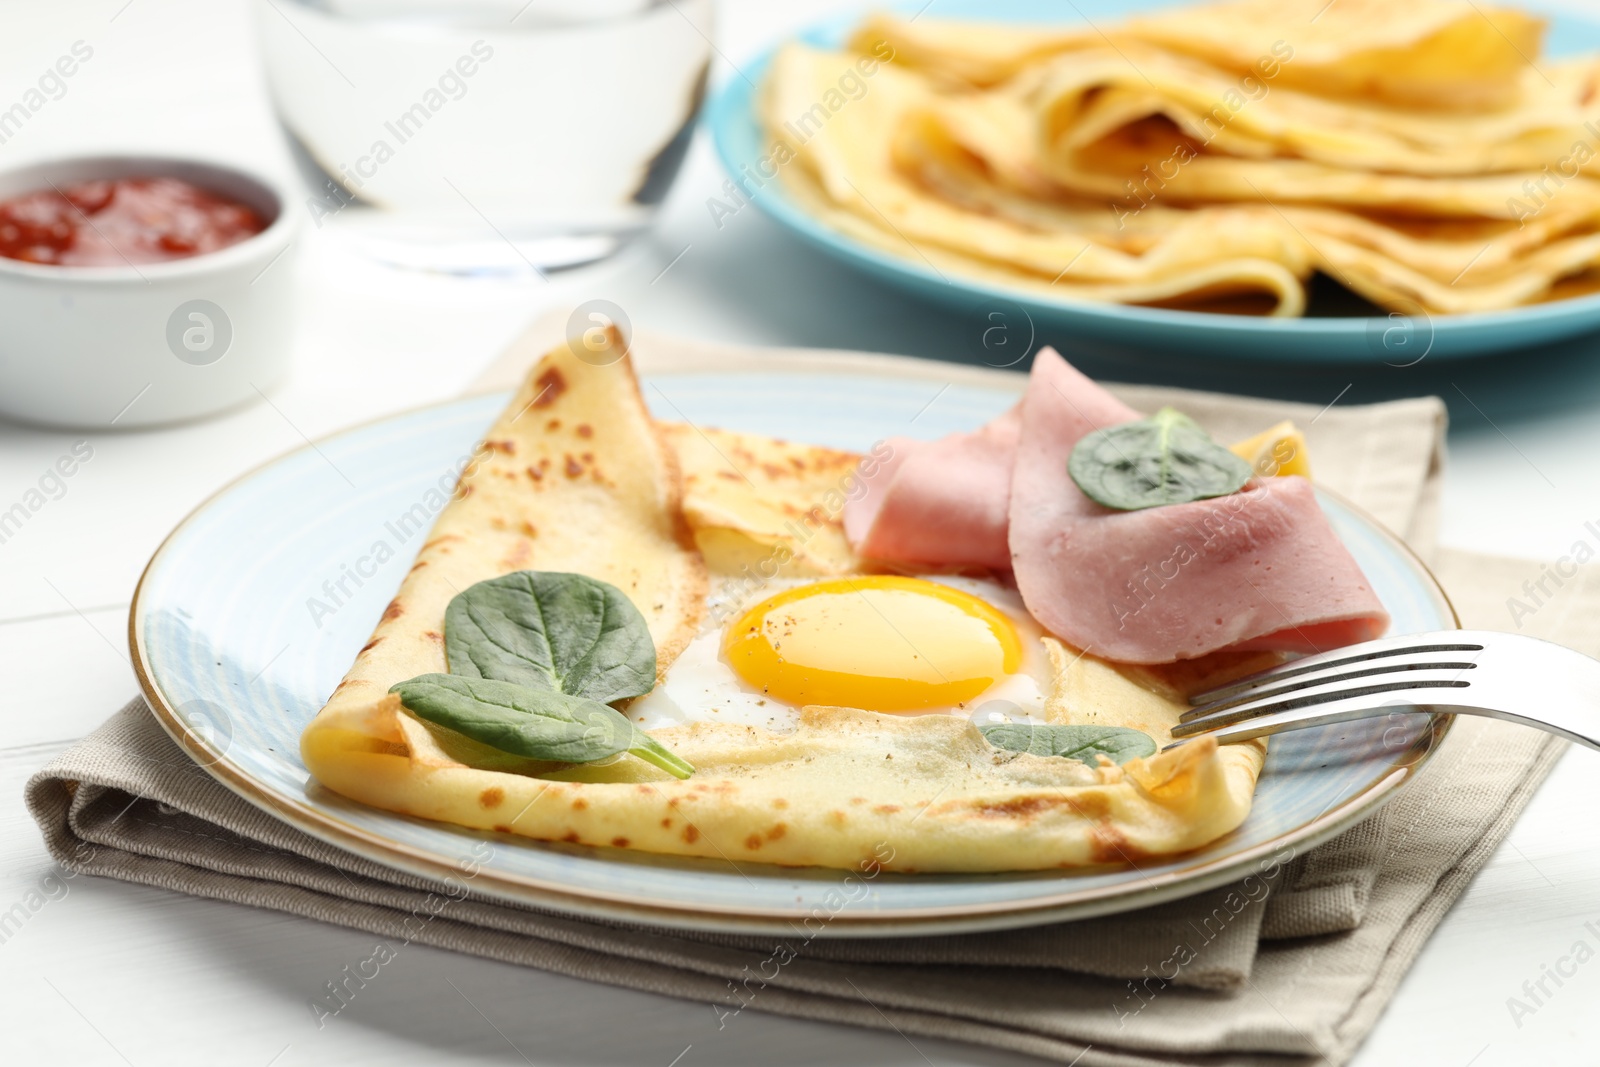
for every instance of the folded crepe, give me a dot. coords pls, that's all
(848, 172)
(575, 476)
(1436, 54)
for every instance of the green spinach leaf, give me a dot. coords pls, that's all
(548, 630)
(540, 724)
(1082, 743)
(1165, 459)
(535, 658)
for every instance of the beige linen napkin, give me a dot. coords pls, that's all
(1301, 971)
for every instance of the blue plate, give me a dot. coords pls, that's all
(1394, 339)
(251, 611)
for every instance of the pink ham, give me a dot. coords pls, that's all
(1260, 569)
(940, 503)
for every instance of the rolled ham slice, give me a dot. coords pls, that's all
(1258, 569)
(940, 503)
(1261, 569)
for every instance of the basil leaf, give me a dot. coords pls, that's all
(1082, 743)
(554, 631)
(1165, 459)
(540, 724)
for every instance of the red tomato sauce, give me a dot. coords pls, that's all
(119, 222)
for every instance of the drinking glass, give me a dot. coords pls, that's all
(480, 135)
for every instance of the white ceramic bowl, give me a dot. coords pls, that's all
(126, 346)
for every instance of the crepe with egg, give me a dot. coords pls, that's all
(799, 704)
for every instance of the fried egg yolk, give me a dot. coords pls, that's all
(876, 642)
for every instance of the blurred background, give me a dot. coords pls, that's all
(188, 77)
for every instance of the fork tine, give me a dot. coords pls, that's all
(1384, 648)
(1421, 684)
(1303, 718)
(1284, 684)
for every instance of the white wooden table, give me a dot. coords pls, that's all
(109, 973)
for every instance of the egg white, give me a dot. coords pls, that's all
(700, 686)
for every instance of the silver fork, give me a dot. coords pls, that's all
(1455, 672)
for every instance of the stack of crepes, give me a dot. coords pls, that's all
(1420, 153)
